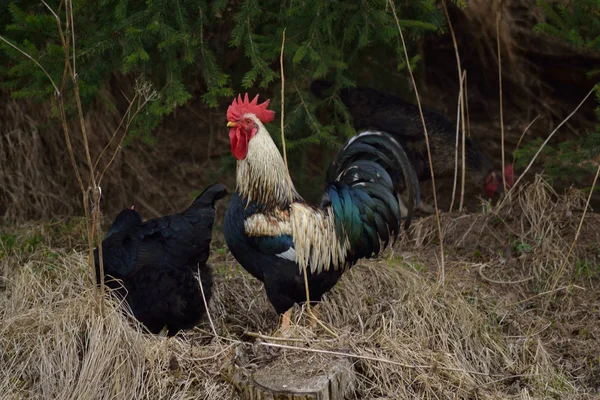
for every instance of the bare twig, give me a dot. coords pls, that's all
(147, 206)
(146, 97)
(127, 112)
(70, 5)
(547, 140)
(522, 136)
(51, 10)
(57, 92)
(468, 119)
(545, 293)
(435, 203)
(275, 338)
(382, 360)
(481, 274)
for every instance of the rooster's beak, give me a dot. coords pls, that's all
(231, 124)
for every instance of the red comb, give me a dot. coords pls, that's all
(132, 207)
(240, 107)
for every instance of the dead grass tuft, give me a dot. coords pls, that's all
(534, 228)
(477, 336)
(57, 345)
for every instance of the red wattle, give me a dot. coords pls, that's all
(239, 143)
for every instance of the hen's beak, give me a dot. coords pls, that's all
(231, 124)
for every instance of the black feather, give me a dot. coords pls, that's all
(387, 112)
(157, 260)
(369, 172)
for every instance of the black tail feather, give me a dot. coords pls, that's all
(211, 194)
(364, 183)
(370, 152)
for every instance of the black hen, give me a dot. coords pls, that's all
(371, 108)
(157, 261)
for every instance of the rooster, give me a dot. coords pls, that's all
(371, 108)
(156, 262)
(275, 235)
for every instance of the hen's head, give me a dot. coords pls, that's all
(127, 219)
(243, 117)
(493, 182)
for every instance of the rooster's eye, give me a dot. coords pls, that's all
(247, 121)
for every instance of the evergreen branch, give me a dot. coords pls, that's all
(56, 91)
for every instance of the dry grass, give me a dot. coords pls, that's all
(36, 178)
(475, 337)
(26, 154)
(536, 226)
(57, 345)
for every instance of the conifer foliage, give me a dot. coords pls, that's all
(578, 24)
(211, 49)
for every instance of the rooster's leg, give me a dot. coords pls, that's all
(286, 319)
(423, 207)
(314, 310)
(403, 209)
(426, 208)
(163, 332)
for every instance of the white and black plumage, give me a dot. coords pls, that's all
(274, 233)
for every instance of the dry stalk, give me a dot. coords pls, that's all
(552, 292)
(382, 360)
(147, 94)
(563, 265)
(92, 225)
(544, 144)
(435, 202)
(283, 102)
(462, 99)
(498, 15)
(56, 91)
(114, 135)
(210, 320)
(458, 119)
(523, 135)
(69, 72)
(484, 277)
(305, 273)
(468, 119)
(463, 178)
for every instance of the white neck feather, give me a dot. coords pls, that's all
(262, 176)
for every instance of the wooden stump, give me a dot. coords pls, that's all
(293, 376)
